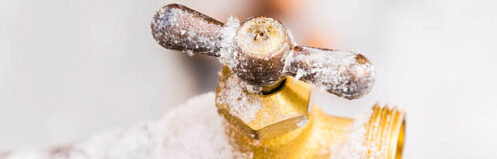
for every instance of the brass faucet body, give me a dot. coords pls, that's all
(284, 128)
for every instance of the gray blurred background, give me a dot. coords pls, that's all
(72, 68)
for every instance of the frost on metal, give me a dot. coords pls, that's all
(263, 44)
(355, 146)
(261, 51)
(302, 123)
(180, 28)
(240, 102)
(228, 52)
(345, 74)
(235, 93)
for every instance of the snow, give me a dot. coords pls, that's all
(338, 72)
(228, 52)
(241, 103)
(355, 145)
(176, 28)
(191, 130)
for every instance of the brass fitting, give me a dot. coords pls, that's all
(278, 112)
(263, 91)
(284, 129)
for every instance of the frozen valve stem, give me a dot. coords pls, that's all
(264, 52)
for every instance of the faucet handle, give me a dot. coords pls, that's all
(346, 74)
(262, 52)
(177, 27)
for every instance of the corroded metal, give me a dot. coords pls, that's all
(343, 73)
(264, 53)
(263, 45)
(180, 28)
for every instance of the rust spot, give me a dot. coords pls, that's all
(360, 59)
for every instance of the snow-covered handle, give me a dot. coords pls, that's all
(345, 74)
(180, 28)
(261, 52)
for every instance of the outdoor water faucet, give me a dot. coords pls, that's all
(264, 88)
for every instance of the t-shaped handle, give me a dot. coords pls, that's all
(262, 52)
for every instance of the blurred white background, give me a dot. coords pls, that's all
(71, 68)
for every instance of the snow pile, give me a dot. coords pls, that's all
(139, 142)
(194, 130)
(191, 130)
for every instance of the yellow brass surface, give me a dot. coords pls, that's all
(274, 136)
(385, 133)
(281, 112)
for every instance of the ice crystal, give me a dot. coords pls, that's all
(343, 73)
(228, 52)
(260, 36)
(249, 50)
(302, 122)
(241, 103)
(178, 28)
(355, 146)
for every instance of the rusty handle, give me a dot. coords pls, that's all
(180, 28)
(345, 74)
(262, 52)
